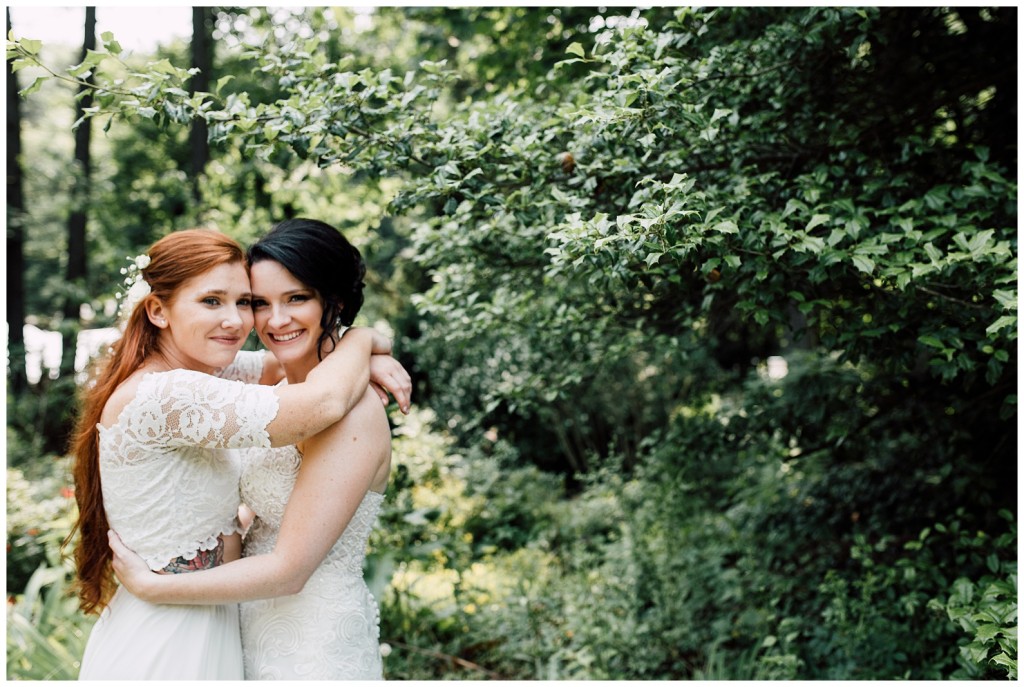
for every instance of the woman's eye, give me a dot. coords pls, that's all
(244, 302)
(299, 298)
(210, 300)
(258, 303)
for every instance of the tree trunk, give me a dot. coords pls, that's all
(202, 57)
(76, 269)
(15, 237)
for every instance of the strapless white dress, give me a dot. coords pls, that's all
(331, 629)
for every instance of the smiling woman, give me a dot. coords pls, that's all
(207, 321)
(150, 456)
(307, 612)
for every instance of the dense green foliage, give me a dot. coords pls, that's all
(604, 233)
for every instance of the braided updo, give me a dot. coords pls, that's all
(321, 258)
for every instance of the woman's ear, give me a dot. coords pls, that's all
(156, 313)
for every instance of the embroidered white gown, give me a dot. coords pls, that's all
(169, 469)
(331, 629)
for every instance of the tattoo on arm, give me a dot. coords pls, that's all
(204, 560)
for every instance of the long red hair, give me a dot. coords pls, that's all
(174, 259)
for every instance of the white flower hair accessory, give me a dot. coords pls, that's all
(136, 286)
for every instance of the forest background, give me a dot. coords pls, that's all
(711, 315)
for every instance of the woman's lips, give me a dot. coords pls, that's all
(284, 338)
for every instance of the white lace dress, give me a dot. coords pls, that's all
(169, 469)
(331, 629)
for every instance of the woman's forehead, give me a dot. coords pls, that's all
(270, 274)
(226, 278)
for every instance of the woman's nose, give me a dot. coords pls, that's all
(232, 320)
(278, 317)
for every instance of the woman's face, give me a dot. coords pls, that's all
(287, 313)
(205, 324)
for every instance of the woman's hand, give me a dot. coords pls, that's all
(388, 375)
(132, 572)
(381, 344)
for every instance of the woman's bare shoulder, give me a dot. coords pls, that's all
(366, 427)
(124, 394)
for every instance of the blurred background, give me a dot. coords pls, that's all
(711, 314)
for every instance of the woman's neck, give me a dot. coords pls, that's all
(296, 372)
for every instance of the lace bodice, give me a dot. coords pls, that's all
(268, 476)
(330, 630)
(169, 466)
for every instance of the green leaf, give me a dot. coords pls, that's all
(164, 67)
(652, 258)
(576, 48)
(30, 46)
(1007, 299)
(933, 342)
(836, 237)
(32, 87)
(863, 263)
(817, 220)
(221, 82)
(980, 241)
(109, 43)
(934, 253)
(1001, 323)
(1005, 661)
(813, 244)
(21, 63)
(975, 652)
(719, 113)
(986, 632)
(92, 59)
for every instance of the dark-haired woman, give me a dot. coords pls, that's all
(156, 459)
(307, 613)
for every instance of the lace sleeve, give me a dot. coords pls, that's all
(247, 367)
(186, 408)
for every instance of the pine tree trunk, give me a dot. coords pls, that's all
(15, 237)
(202, 57)
(76, 268)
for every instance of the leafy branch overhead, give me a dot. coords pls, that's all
(688, 190)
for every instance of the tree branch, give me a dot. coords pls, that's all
(448, 657)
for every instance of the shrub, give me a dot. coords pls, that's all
(40, 506)
(985, 607)
(46, 633)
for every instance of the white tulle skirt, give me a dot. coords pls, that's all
(136, 640)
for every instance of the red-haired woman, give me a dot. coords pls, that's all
(155, 450)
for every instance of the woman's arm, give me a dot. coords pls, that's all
(386, 374)
(331, 389)
(338, 467)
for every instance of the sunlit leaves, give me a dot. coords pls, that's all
(698, 174)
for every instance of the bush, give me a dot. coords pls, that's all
(40, 508)
(46, 633)
(984, 607)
